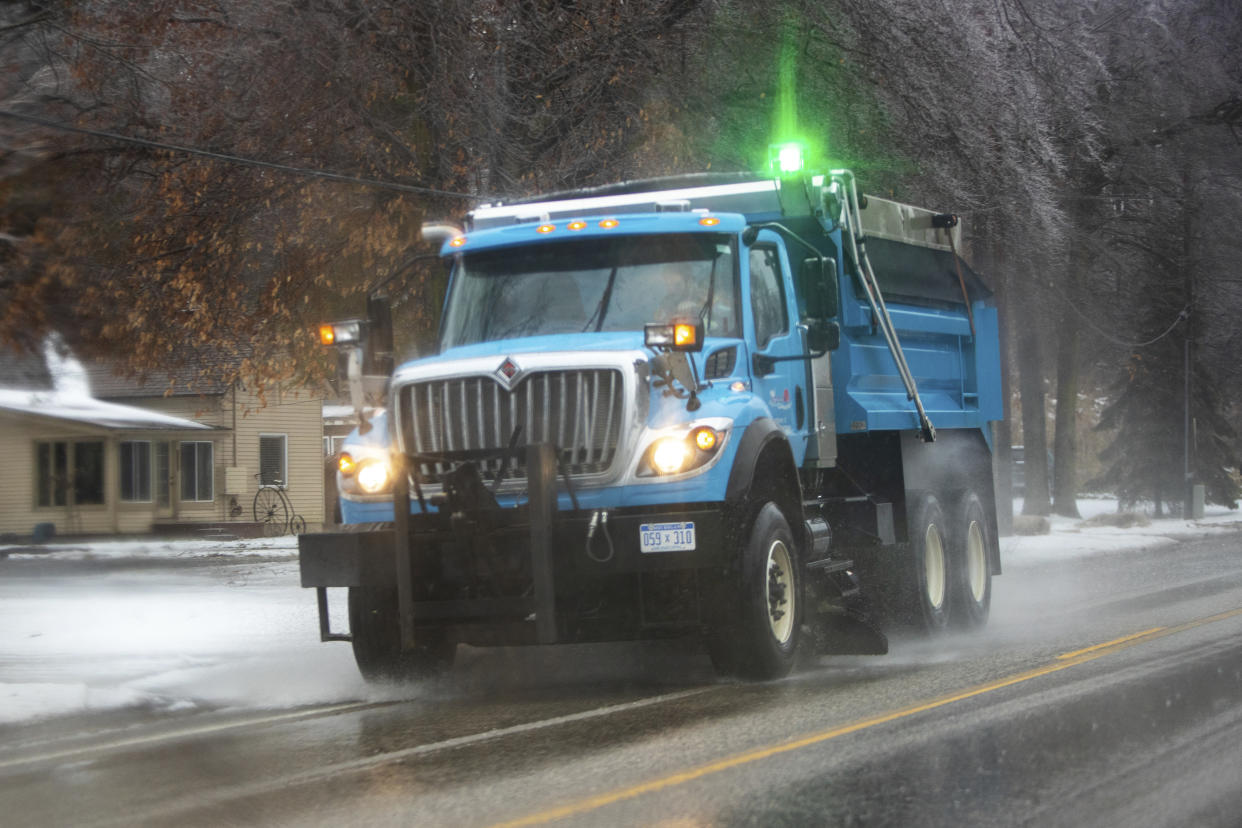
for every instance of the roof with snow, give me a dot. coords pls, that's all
(60, 405)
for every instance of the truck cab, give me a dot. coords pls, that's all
(673, 408)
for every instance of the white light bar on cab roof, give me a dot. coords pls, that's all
(745, 197)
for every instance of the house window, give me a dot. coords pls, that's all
(272, 459)
(196, 472)
(136, 471)
(61, 466)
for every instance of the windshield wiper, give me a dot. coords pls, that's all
(705, 311)
(601, 310)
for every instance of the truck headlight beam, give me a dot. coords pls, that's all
(373, 476)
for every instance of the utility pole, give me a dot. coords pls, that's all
(1188, 479)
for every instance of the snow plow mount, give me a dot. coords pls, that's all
(541, 507)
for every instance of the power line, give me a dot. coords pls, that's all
(237, 159)
(1182, 316)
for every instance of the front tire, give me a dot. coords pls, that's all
(760, 639)
(373, 623)
(970, 587)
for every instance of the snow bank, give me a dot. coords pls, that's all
(1071, 538)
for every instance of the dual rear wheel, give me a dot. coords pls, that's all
(948, 575)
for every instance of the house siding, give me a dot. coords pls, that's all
(243, 418)
(299, 416)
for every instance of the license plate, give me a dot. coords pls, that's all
(666, 537)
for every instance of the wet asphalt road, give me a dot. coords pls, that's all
(1105, 691)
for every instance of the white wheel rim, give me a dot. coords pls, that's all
(780, 592)
(976, 563)
(934, 566)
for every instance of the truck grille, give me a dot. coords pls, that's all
(473, 418)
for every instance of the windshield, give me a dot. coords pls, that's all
(591, 285)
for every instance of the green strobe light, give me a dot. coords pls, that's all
(786, 159)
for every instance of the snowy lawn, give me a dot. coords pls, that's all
(168, 639)
(237, 631)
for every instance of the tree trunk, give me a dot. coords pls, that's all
(1034, 425)
(1065, 445)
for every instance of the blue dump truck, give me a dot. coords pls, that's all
(753, 410)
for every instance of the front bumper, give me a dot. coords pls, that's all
(485, 577)
(365, 554)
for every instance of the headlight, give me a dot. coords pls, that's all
(373, 475)
(670, 455)
(364, 470)
(678, 453)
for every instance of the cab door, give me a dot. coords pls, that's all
(776, 378)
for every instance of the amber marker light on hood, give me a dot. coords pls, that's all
(709, 221)
(705, 439)
(545, 228)
(458, 241)
(577, 225)
(609, 223)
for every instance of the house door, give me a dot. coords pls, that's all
(163, 480)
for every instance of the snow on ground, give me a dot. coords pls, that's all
(233, 635)
(1072, 538)
(285, 547)
(235, 630)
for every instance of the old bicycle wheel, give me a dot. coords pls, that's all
(271, 511)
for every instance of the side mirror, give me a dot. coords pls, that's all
(823, 335)
(378, 359)
(817, 281)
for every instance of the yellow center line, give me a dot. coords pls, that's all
(1112, 643)
(1063, 662)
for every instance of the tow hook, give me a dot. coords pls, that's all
(599, 523)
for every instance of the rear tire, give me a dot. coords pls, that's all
(928, 566)
(970, 585)
(377, 640)
(759, 639)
